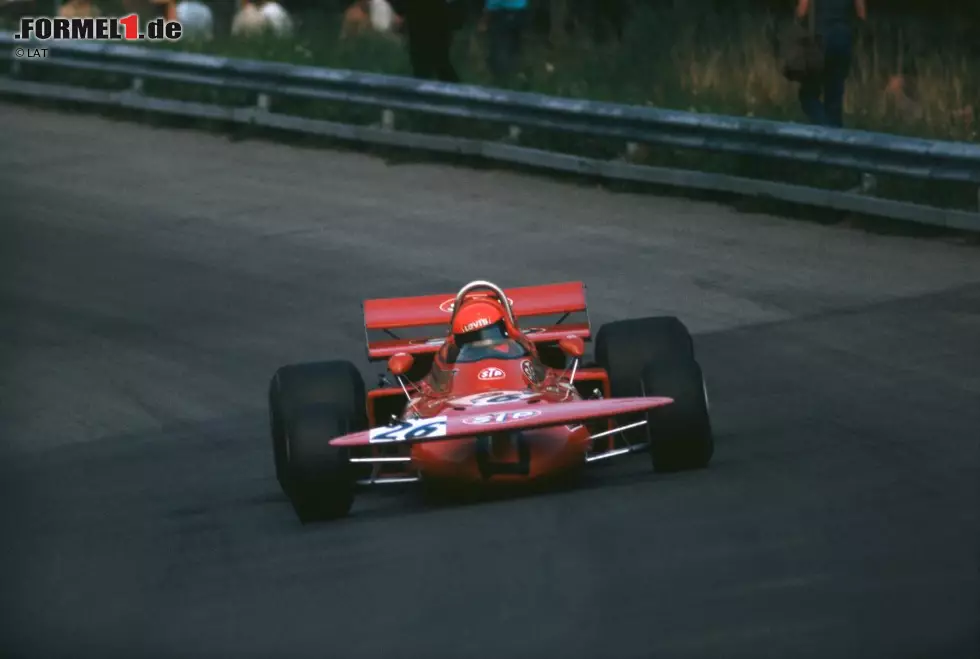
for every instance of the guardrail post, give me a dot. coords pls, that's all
(869, 183)
(635, 153)
(388, 119)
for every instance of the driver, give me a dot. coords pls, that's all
(480, 331)
(479, 324)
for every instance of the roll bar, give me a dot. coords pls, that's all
(480, 284)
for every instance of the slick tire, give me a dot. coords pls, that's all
(319, 479)
(679, 434)
(297, 386)
(624, 347)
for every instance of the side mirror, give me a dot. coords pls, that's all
(401, 363)
(572, 346)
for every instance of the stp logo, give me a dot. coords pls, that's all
(491, 373)
(500, 417)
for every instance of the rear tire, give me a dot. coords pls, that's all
(623, 348)
(295, 387)
(319, 479)
(679, 434)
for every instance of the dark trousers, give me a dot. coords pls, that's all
(838, 51)
(430, 40)
(504, 29)
(429, 54)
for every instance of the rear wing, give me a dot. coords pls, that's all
(418, 325)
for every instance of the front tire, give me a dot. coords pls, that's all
(319, 477)
(679, 434)
(295, 387)
(624, 347)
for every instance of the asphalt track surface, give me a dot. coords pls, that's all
(153, 280)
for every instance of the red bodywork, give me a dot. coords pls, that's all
(504, 417)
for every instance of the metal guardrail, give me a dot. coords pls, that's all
(862, 152)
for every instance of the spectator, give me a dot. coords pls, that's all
(834, 21)
(78, 9)
(364, 16)
(382, 16)
(261, 17)
(357, 19)
(277, 18)
(195, 17)
(505, 24)
(429, 26)
(248, 21)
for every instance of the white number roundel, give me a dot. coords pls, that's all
(494, 398)
(409, 430)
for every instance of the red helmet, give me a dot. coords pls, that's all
(476, 315)
(480, 331)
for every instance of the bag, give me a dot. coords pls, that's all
(802, 50)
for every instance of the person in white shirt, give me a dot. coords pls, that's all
(260, 16)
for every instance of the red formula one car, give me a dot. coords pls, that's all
(485, 402)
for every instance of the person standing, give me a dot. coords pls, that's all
(834, 25)
(505, 26)
(429, 27)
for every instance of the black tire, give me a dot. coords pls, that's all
(319, 477)
(679, 434)
(624, 347)
(297, 386)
